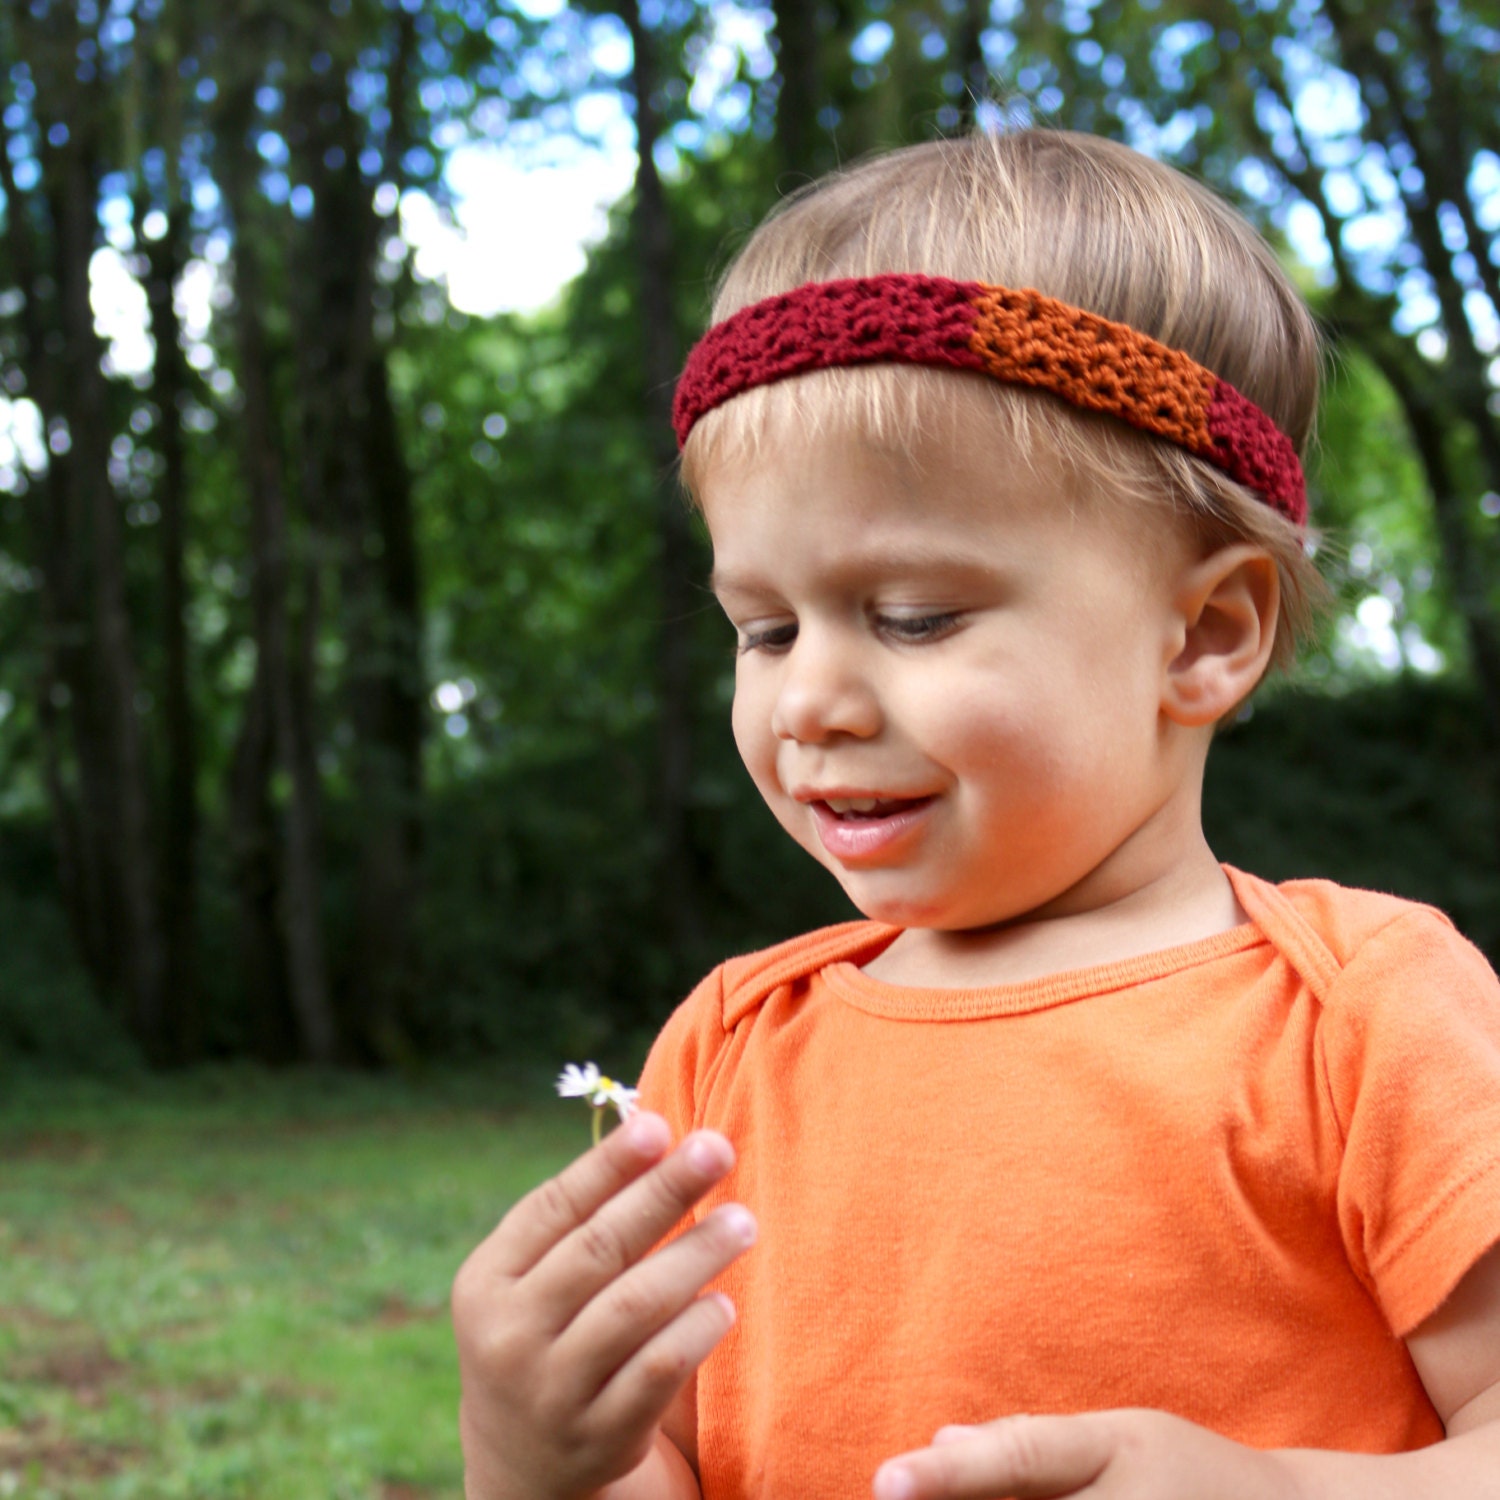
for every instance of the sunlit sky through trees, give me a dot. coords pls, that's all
(524, 204)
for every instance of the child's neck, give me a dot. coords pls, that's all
(1120, 916)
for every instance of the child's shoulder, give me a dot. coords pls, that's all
(691, 1044)
(1347, 917)
(1337, 934)
(746, 981)
(741, 984)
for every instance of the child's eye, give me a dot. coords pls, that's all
(916, 627)
(771, 638)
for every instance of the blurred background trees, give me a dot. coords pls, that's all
(359, 696)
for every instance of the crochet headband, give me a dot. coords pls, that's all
(1019, 337)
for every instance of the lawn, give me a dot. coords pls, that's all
(235, 1284)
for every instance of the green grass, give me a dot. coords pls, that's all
(234, 1284)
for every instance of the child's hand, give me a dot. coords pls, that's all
(1114, 1455)
(572, 1341)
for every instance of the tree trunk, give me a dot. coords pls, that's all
(676, 593)
(124, 805)
(801, 145)
(355, 476)
(179, 832)
(968, 58)
(254, 859)
(293, 765)
(61, 632)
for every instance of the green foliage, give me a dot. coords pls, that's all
(50, 1015)
(1388, 787)
(535, 499)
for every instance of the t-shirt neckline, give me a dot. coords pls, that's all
(915, 1003)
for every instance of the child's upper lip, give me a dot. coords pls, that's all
(843, 793)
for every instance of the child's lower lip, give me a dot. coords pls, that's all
(867, 836)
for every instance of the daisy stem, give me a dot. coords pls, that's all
(598, 1122)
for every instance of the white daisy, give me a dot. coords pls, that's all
(601, 1091)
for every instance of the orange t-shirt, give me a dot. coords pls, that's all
(1222, 1180)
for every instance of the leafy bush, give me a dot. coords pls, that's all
(540, 937)
(49, 1014)
(1390, 788)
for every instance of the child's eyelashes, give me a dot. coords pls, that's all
(769, 638)
(903, 629)
(916, 627)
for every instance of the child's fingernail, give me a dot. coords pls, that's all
(647, 1134)
(740, 1223)
(894, 1484)
(705, 1154)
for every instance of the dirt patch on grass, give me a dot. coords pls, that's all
(396, 1312)
(37, 1451)
(81, 1366)
(60, 1352)
(53, 1145)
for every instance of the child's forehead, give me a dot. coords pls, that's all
(922, 487)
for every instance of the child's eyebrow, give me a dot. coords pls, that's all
(913, 562)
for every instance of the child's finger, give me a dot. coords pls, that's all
(554, 1210)
(636, 1306)
(1027, 1458)
(644, 1386)
(624, 1228)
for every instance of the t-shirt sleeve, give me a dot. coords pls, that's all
(685, 1051)
(683, 1055)
(1411, 1057)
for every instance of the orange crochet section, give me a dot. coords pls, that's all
(1025, 338)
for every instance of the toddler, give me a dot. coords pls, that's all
(1087, 1165)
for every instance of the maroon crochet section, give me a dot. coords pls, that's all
(1251, 448)
(856, 321)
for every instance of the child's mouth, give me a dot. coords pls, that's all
(861, 830)
(852, 809)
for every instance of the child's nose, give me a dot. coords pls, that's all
(823, 693)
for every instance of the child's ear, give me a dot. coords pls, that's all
(1225, 608)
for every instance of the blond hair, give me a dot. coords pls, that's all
(1078, 218)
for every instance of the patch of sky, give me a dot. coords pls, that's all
(1172, 45)
(737, 41)
(1374, 232)
(1484, 189)
(1343, 194)
(609, 46)
(1304, 228)
(1374, 637)
(1327, 103)
(872, 43)
(118, 302)
(1481, 314)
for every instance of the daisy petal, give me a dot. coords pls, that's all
(575, 1082)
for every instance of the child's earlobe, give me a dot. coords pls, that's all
(1226, 609)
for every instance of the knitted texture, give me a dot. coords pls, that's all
(1019, 337)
